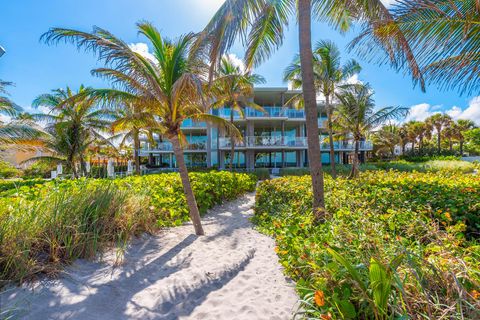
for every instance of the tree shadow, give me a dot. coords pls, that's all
(118, 288)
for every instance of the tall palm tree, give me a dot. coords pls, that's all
(439, 121)
(170, 85)
(444, 36)
(357, 116)
(262, 24)
(463, 126)
(74, 122)
(233, 88)
(328, 74)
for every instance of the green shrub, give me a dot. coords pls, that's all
(393, 247)
(8, 171)
(39, 169)
(262, 173)
(45, 226)
(17, 183)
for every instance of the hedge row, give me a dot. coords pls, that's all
(393, 246)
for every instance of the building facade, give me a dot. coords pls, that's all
(275, 138)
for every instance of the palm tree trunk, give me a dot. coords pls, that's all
(413, 146)
(403, 148)
(461, 147)
(187, 188)
(136, 152)
(309, 98)
(354, 172)
(232, 142)
(330, 136)
(450, 145)
(439, 140)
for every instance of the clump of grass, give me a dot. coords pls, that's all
(40, 236)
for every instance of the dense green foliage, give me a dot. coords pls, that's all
(45, 226)
(395, 245)
(444, 165)
(17, 183)
(7, 170)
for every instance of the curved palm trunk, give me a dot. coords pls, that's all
(330, 136)
(309, 97)
(232, 142)
(187, 188)
(136, 152)
(354, 172)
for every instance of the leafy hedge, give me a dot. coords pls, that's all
(393, 247)
(14, 184)
(451, 166)
(45, 226)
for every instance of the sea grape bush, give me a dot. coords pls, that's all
(45, 226)
(396, 245)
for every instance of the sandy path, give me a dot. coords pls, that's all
(231, 273)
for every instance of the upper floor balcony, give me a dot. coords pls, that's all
(190, 124)
(288, 142)
(270, 112)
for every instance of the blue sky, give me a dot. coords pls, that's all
(36, 68)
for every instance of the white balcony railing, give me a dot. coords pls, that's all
(290, 142)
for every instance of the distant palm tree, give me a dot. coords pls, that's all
(357, 116)
(439, 122)
(74, 122)
(386, 139)
(262, 25)
(463, 126)
(130, 122)
(169, 85)
(328, 74)
(233, 88)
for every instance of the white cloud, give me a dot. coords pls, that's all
(142, 48)
(420, 112)
(424, 110)
(388, 3)
(236, 61)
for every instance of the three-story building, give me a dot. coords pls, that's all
(275, 138)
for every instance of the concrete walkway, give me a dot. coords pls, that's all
(231, 273)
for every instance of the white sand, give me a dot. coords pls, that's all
(231, 273)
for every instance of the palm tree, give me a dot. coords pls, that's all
(169, 85)
(262, 24)
(439, 121)
(328, 74)
(444, 36)
(357, 116)
(386, 139)
(14, 132)
(131, 121)
(74, 122)
(232, 88)
(463, 126)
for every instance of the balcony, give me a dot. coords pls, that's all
(270, 112)
(288, 142)
(189, 123)
(166, 147)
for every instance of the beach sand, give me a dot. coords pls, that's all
(231, 273)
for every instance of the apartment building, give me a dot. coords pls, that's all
(275, 138)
